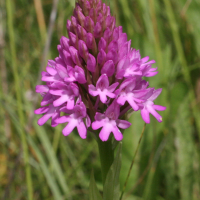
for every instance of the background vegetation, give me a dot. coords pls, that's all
(167, 166)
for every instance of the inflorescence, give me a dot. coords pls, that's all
(97, 77)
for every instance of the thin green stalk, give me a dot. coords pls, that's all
(129, 172)
(106, 157)
(18, 97)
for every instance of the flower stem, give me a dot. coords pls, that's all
(106, 156)
(132, 162)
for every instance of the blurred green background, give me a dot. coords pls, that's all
(167, 166)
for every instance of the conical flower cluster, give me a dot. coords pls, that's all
(97, 77)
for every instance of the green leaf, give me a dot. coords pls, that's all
(185, 154)
(52, 157)
(48, 175)
(111, 190)
(93, 190)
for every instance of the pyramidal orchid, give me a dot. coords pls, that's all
(96, 77)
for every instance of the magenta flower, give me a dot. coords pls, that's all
(76, 120)
(97, 77)
(110, 123)
(148, 106)
(103, 89)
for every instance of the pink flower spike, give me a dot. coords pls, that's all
(103, 89)
(97, 77)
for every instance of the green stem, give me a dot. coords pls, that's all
(18, 97)
(106, 157)
(129, 172)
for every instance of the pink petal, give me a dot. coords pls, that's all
(70, 104)
(160, 108)
(48, 78)
(51, 71)
(122, 39)
(113, 87)
(103, 97)
(72, 38)
(102, 82)
(82, 49)
(116, 33)
(56, 92)
(98, 116)
(101, 57)
(113, 45)
(70, 127)
(75, 56)
(112, 55)
(108, 68)
(123, 124)
(54, 117)
(155, 94)
(92, 90)
(68, 58)
(44, 118)
(91, 63)
(82, 34)
(41, 110)
(145, 115)
(51, 63)
(89, 24)
(90, 41)
(97, 124)
(145, 59)
(82, 130)
(110, 94)
(132, 103)
(63, 119)
(105, 132)
(46, 99)
(97, 30)
(64, 43)
(88, 121)
(117, 133)
(121, 100)
(102, 44)
(154, 113)
(62, 71)
(41, 88)
(80, 75)
(61, 100)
